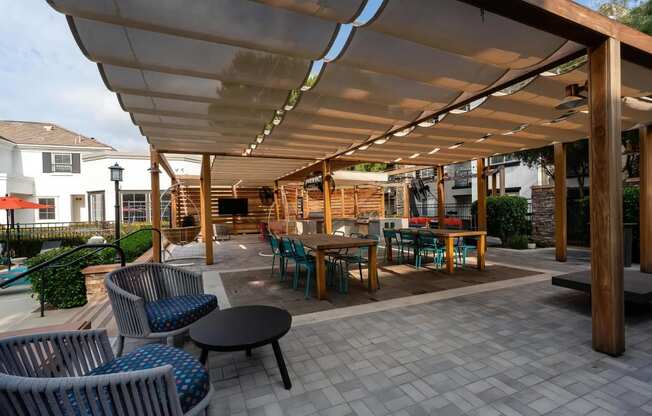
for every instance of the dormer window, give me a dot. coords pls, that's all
(61, 162)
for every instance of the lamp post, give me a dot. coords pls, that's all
(116, 177)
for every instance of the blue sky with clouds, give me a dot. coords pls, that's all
(45, 77)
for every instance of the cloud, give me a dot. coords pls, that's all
(45, 77)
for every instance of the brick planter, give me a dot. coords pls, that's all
(94, 275)
(94, 278)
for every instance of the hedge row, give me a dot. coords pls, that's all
(507, 218)
(65, 285)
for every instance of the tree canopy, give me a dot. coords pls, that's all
(632, 13)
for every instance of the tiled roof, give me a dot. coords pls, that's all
(28, 132)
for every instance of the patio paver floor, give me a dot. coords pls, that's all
(524, 350)
(519, 351)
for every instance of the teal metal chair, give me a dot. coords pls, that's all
(429, 244)
(287, 253)
(305, 260)
(461, 251)
(389, 234)
(407, 242)
(276, 253)
(377, 239)
(357, 258)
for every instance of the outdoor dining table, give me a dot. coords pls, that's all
(449, 236)
(320, 244)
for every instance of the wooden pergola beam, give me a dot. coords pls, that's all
(561, 250)
(606, 203)
(570, 20)
(441, 197)
(206, 207)
(645, 198)
(406, 199)
(155, 200)
(277, 199)
(482, 195)
(165, 164)
(328, 217)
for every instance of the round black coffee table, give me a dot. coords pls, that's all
(241, 329)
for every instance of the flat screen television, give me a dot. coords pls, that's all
(233, 206)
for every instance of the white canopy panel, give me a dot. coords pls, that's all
(311, 79)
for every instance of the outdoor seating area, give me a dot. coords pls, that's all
(339, 249)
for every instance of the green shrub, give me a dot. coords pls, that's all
(518, 242)
(65, 285)
(506, 217)
(133, 246)
(29, 246)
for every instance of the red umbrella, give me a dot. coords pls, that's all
(11, 202)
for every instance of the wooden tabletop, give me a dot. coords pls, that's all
(447, 232)
(328, 242)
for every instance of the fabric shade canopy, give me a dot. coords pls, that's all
(290, 82)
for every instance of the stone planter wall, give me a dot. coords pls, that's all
(94, 275)
(543, 215)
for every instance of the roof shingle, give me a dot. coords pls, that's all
(28, 132)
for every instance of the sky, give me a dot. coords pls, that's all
(45, 77)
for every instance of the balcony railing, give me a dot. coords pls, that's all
(48, 230)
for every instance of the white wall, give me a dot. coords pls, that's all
(21, 174)
(136, 177)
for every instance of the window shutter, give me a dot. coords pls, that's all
(47, 162)
(76, 165)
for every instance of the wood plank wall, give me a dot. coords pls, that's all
(370, 199)
(247, 224)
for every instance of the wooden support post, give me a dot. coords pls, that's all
(328, 218)
(502, 180)
(560, 202)
(306, 205)
(174, 208)
(493, 184)
(382, 201)
(482, 195)
(296, 204)
(284, 201)
(277, 201)
(645, 198)
(234, 219)
(206, 207)
(356, 209)
(406, 200)
(342, 211)
(155, 199)
(441, 197)
(606, 203)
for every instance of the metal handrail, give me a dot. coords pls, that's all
(114, 242)
(47, 263)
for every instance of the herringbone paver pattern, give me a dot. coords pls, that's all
(520, 351)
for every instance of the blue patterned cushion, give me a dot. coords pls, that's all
(173, 313)
(191, 378)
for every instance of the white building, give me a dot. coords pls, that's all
(45, 163)
(460, 188)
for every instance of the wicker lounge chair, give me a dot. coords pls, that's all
(156, 300)
(75, 373)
